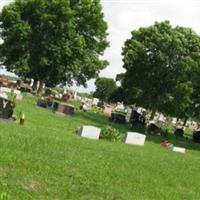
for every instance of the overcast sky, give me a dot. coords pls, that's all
(123, 16)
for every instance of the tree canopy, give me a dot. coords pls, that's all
(160, 63)
(53, 41)
(104, 88)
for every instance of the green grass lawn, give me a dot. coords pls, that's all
(46, 160)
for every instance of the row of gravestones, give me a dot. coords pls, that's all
(58, 107)
(132, 138)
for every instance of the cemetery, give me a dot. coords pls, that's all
(81, 130)
(80, 122)
(138, 148)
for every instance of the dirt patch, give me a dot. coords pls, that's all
(32, 186)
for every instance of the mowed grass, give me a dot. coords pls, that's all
(45, 159)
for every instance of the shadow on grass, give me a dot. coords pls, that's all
(102, 120)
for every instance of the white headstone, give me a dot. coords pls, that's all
(90, 132)
(85, 107)
(78, 98)
(174, 120)
(4, 95)
(135, 138)
(5, 89)
(32, 81)
(107, 110)
(95, 101)
(179, 149)
(17, 92)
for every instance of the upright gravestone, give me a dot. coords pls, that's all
(6, 108)
(4, 95)
(64, 109)
(107, 110)
(135, 138)
(5, 89)
(90, 132)
(95, 101)
(17, 92)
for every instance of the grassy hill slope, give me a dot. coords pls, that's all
(45, 159)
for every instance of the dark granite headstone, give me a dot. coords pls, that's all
(136, 118)
(6, 108)
(45, 103)
(196, 136)
(118, 118)
(179, 132)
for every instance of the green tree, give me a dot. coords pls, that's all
(104, 88)
(118, 95)
(159, 62)
(54, 41)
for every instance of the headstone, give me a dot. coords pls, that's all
(5, 89)
(42, 103)
(179, 149)
(17, 92)
(90, 132)
(120, 107)
(107, 110)
(95, 101)
(4, 95)
(128, 114)
(135, 138)
(85, 107)
(6, 108)
(137, 118)
(118, 117)
(174, 120)
(64, 109)
(196, 136)
(179, 132)
(78, 98)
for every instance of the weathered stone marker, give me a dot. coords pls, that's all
(135, 138)
(179, 149)
(90, 132)
(63, 109)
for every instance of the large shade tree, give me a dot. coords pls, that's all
(160, 62)
(53, 41)
(104, 88)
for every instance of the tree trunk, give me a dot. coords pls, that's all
(177, 120)
(185, 121)
(153, 114)
(40, 89)
(35, 82)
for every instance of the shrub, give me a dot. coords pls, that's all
(111, 134)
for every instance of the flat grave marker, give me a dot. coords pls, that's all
(179, 149)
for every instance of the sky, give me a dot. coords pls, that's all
(123, 16)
